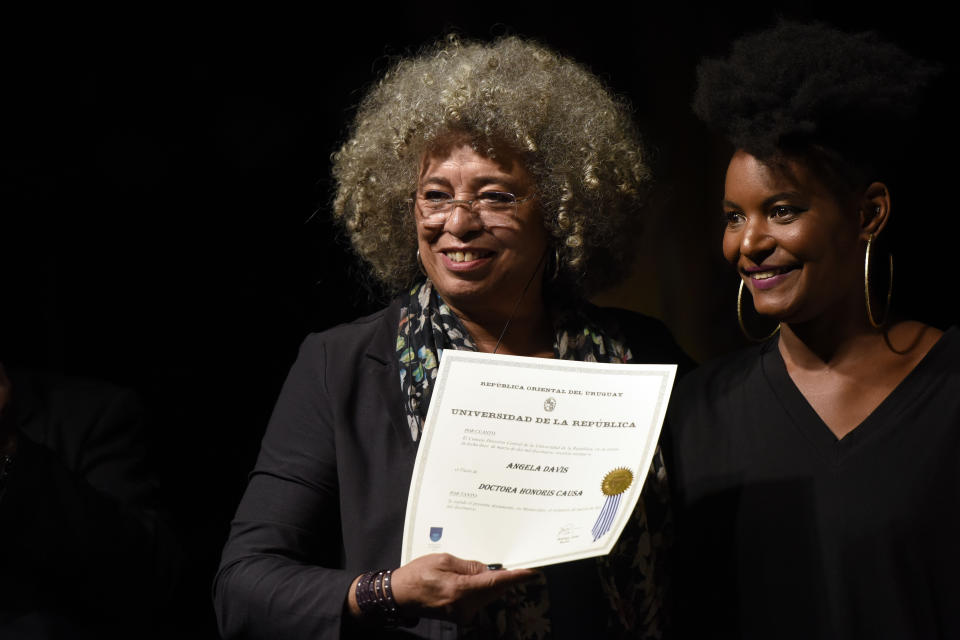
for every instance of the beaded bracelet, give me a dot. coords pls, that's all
(375, 599)
(365, 596)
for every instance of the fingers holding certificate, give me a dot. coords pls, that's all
(444, 586)
(529, 462)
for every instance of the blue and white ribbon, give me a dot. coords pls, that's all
(607, 514)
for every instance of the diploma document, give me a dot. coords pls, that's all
(529, 461)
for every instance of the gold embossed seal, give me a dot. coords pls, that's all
(616, 482)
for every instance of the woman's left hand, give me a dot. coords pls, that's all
(443, 586)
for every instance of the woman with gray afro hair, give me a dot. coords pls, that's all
(575, 138)
(491, 186)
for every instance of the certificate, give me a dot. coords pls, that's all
(529, 461)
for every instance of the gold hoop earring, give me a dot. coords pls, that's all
(866, 287)
(420, 264)
(743, 327)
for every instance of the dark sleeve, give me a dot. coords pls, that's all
(81, 533)
(279, 576)
(651, 342)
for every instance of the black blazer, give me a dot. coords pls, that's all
(327, 498)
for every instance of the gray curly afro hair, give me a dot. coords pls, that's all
(578, 142)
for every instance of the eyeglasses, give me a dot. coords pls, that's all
(495, 208)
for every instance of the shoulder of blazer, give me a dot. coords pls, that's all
(370, 337)
(363, 353)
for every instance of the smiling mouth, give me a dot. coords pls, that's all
(466, 256)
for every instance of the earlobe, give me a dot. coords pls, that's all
(874, 209)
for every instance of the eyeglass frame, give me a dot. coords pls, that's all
(469, 204)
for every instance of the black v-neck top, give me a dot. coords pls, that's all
(786, 531)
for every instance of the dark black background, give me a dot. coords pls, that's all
(165, 186)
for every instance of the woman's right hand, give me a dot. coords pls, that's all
(443, 586)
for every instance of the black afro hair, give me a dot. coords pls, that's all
(796, 86)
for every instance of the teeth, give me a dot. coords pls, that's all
(763, 275)
(463, 256)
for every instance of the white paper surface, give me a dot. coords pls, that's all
(514, 451)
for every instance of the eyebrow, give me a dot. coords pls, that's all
(443, 182)
(479, 182)
(783, 195)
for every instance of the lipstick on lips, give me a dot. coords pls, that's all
(766, 277)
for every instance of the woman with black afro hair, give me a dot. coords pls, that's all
(818, 473)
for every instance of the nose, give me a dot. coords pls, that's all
(462, 220)
(756, 242)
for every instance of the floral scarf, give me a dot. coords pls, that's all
(631, 576)
(428, 325)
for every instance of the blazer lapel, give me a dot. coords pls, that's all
(382, 367)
